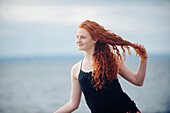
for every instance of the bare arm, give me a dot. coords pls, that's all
(134, 78)
(75, 96)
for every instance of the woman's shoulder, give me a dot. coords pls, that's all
(76, 69)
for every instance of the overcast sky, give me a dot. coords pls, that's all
(48, 27)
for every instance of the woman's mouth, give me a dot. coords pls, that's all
(80, 45)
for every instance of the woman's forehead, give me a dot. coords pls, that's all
(82, 31)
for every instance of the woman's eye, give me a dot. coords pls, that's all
(83, 37)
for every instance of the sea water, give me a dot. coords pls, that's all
(43, 85)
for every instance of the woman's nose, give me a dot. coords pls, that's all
(78, 40)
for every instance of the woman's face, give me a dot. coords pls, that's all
(84, 40)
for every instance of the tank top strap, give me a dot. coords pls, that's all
(81, 64)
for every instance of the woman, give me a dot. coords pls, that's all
(96, 74)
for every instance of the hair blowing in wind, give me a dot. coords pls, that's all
(107, 55)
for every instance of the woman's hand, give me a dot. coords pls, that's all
(143, 49)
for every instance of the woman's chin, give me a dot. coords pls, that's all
(81, 49)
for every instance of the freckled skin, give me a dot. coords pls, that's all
(84, 40)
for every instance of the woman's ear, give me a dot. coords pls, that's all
(95, 41)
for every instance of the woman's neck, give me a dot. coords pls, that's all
(88, 55)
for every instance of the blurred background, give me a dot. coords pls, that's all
(38, 49)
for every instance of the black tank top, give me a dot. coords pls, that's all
(109, 100)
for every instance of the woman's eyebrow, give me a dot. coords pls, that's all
(81, 35)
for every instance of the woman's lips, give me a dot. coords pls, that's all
(80, 44)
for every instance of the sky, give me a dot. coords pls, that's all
(48, 27)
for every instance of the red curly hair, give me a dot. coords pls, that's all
(107, 56)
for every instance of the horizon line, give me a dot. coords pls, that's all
(70, 56)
